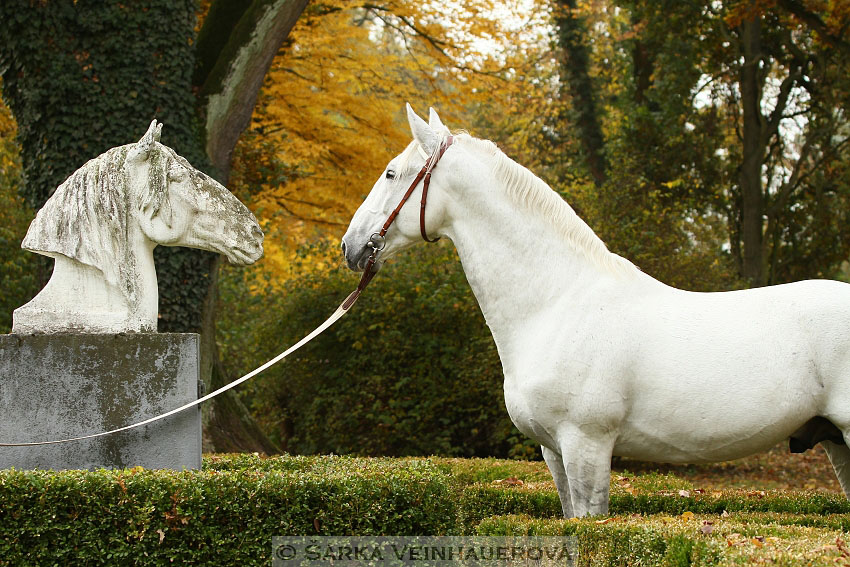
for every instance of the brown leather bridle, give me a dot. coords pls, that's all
(377, 242)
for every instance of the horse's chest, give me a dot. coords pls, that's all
(542, 405)
(564, 372)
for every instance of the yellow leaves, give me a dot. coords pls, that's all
(332, 109)
(9, 159)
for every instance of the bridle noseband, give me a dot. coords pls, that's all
(377, 240)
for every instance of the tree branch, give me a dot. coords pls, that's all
(219, 22)
(814, 21)
(772, 126)
(437, 44)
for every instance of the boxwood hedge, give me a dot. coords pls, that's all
(228, 512)
(213, 517)
(691, 539)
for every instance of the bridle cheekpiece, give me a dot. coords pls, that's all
(377, 241)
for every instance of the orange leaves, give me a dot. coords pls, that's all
(331, 114)
(510, 481)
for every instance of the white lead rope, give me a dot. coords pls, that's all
(335, 316)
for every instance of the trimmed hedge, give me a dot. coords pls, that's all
(213, 517)
(731, 501)
(227, 513)
(691, 539)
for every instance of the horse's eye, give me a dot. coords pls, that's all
(390, 174)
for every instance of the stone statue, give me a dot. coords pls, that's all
(102, 225)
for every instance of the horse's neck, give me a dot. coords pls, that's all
(79, 297)
(520, 266)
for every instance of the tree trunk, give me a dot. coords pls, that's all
(577, 84)
(750, 174)
(229, 73)
(81, 77)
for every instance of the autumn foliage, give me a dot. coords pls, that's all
(707, 142)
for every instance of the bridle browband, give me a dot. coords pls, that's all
(377, 241)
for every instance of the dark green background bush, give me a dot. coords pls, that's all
(411, 370)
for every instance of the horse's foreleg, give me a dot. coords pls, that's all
(839, 456)
(587, 462)
(556, 466)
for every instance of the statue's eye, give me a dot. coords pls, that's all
(390, 174)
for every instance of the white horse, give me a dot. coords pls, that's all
(601, 359)
(102, 225)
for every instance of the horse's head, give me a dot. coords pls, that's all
(133, 197)
(177, 205)
(388, 190)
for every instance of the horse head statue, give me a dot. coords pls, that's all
(101, 225)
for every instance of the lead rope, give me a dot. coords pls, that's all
(376, 242)
(335, 316)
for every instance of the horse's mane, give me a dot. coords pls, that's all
(528, 190)
(531, 192)
(87, 217)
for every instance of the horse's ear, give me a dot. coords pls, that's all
(434, 121)
(143, 147)
(422, 133)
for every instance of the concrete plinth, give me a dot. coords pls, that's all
(67, 385)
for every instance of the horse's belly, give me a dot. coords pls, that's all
(646, 446)
(703, 432)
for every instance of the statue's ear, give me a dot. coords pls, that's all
(422, 133)
(434, 121)
(142, 149)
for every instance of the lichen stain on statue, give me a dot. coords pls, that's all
(102, 224)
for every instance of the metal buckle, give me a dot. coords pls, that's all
(376, 242)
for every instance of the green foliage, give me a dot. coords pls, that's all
(483, 500)
(689, 540)
(84, 76)
(472, 471)
(730, 500)
(17, 267)
(411, 370)
(669, 107)
(212, 517)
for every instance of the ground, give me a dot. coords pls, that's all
(775, 469)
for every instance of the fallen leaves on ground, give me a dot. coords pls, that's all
(775, 469)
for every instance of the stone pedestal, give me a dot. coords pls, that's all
(66, 385)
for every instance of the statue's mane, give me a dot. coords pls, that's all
(87, 217)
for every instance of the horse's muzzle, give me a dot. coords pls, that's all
(357, 257)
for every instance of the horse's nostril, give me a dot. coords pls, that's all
(257, 231)
(343, 248)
